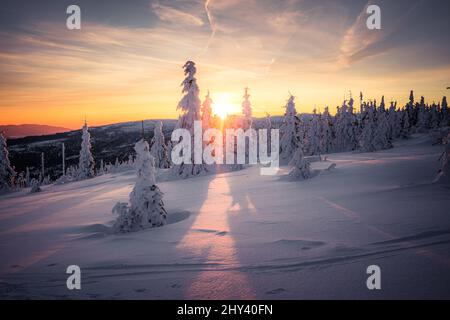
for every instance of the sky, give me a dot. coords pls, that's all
(126, 62)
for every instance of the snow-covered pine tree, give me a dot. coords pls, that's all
(382, 104)
(190, 108)
(444, 172)
(368, 131)
(434, 119)
(146, 209)
(314, 135)
(394, 121)
(159, 148)
(35, 186)
(246, 111)
(7, 173)
(326, 132)
(300, 166)
(289, 141)
(86, 163)
(346, 137)
(27, 177)
(422, 116)
(382, 139)
(207, 113)
(445, 116)
(405, 126)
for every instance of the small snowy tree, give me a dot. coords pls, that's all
(300, 166)
(35, 186)
(146, 209)
(190, 108)
(86, 163)
(246, 111)
(289, 141)
(159, 148)
(7, 173)
(444, 172)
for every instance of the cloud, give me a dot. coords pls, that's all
(359, 42)
(176, 16)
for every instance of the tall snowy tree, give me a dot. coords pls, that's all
(190, 108)
(289, 141)
(86, 162)
(326, 132)
(159, 148)
(381, 138)
(146, 209)
(300, 166)
(368, 132)
(445, 117)
(422, 116)
(405, 125)
(314, 135)
(246, 111)
(207, 121)
(7, 173)
(346, 136)
(394, 121)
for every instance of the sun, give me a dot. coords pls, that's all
(222, 107)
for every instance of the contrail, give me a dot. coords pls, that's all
(212, 24)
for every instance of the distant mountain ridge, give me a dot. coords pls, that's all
(25, 130)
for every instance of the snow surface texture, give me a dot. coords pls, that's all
(241, 235)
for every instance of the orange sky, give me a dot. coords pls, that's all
(113, 73)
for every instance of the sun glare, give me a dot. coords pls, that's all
(222, 107)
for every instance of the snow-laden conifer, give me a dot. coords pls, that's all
(159, 148)
(86, 163)
(146, 208)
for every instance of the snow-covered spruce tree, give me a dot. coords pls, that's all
(7, 173)
(394, 121)
(326, 132)
(289, 141)
(86, 163)
(368, 131)
(190, 108)
(434, 117)
(159, 148)
(444, 172)
(207, 113)
(405, 125)
(314, 135)
(445, 117)
(146, 209)
(35, 186)
(346, 137)
(381, 138)
(246, 111)
(422, 117)
(300, 166)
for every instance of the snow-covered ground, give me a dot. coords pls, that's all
(241, 235)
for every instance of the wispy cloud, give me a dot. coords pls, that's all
(173, 15)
